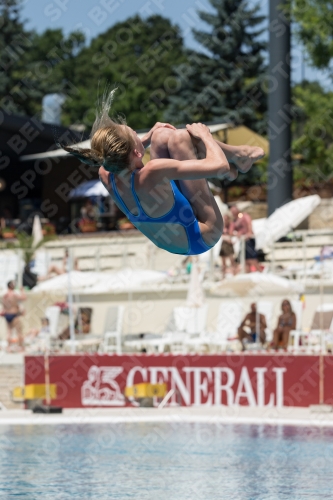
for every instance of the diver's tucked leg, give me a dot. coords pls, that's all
(197, 192)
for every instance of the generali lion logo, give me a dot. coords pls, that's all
(101, 388)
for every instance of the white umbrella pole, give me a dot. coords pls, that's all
(70, 303)
(272, 266)
(47, 370)
(257, 324)
(19, 268)
(322, 340)
(304, 256)
(321, 315)
(211, 265)
(242, 254)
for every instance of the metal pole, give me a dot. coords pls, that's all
(304, 256)
(273, 258)
(322, 339)
(47, 373)
(98, 260)
(211, 265)
(70, 301)
(125, 256)
(280, 179)
(257, 324)
(321, 315)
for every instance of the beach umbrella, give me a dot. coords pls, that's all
(37, 232)
(283, 220)
(79, 281)
(89, 189)
(125, 280)
(256, 284)
(101, 282)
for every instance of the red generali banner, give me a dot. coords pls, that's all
(257, 380)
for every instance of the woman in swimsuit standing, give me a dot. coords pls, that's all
(168, 199)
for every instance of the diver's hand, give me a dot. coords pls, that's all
(147, 138)
(162, 125)
(199, 131)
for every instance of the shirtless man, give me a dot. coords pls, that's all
(248, 328)
(11, 312)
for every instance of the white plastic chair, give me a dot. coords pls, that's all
(189, 321)
(43, 341)
(265, 307)
(184, 322)
(42, 263)
(297, 306)
(228, 320)
(10, 266)
(314, 333)
(52, 313)
(113, 330)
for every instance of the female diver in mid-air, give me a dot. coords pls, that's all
(168, 199)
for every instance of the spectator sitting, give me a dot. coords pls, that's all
(286, 323)
(247, 331)
(82, 324)
(243, 227)
(39, 333)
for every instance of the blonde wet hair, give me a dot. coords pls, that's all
(111, 141)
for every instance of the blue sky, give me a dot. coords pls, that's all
(96, 16)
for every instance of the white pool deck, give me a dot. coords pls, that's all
(207, 415)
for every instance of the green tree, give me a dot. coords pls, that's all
(14, 43)
(225, 82)
(32, 65)
(137, 56)
(314, 28)
(313, 133)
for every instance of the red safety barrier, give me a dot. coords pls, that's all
(257, 380)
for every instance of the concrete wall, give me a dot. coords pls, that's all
(11, 375)
(322, 217)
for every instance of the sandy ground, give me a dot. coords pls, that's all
(311, 417)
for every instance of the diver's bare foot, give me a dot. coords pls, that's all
(246, 156)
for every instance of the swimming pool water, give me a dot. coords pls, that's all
(166, 462)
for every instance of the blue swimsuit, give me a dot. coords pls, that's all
(181, 214)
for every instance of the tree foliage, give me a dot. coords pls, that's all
(314, 27)
(32, 65)
(14, 43)
(137, 56)
(313, 132)
(224, 84)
